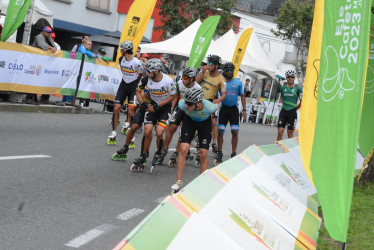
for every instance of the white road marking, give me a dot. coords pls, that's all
(130, 213)
(161, 199)
(90, 235)
(23, 157)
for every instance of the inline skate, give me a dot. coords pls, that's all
(233, 154)
(132, 143)
(121, 154)
(112, 138)
(218, 158)
(125, 128)
(176, 187)
(155, 161)
(173, 160)
(139, 163)
(197, 162)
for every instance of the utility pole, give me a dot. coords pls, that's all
(28, 24)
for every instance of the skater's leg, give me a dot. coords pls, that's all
(220, 139)
(116, 111)
(182, 159)
(130, 113)
(148, 129)
(131, 133)
(214, 129)
(203, 160)
(160, 136)
(178, 148)
(234, 140)
(172, 128)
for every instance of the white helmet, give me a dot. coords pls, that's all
(194, 95)
(153, 64)
(126, 45)
(290, 73)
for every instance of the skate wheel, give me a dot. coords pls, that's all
(123, 131)
(115, 157)
(133, 168)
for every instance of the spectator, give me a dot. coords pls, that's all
(137, 54)
(102, 54)
(267, 91)
(53, 35)
(84, 38)
(247, 86)
(44, 40)
(165, 63)
(145, 57)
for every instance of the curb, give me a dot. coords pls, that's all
(14, 107)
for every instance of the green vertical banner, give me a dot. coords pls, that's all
(341, 85)
(366, 139)
(15, 16)
(202, 41)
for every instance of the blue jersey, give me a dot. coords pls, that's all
(201, 115)
(234, 88)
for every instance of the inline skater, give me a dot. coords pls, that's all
(132, 71)
(198, 117)
(186, 82)
(211, 81)
(290, 94)
(229, 111)
(161, 91)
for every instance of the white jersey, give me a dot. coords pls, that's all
(161, 90)
(130, 69)
(183, 89)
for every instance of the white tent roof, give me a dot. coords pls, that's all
(180, 44)
(40, 11)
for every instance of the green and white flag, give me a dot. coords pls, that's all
(202, 41)
(15, 16)
(341, 82)
(366, 139)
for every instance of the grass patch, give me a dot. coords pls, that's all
(361, 224)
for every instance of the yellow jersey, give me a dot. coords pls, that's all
(211, 85)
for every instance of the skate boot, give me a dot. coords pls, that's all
(140, 130)
(214, 148)
(173, 160)
(155, 161)
(218, 158)
(139, 163)
(189, 156)
(125, 128)
(233, 154)
(132, 143)
(112, 140)
(162, 157)
(197, 162)
(121, 154)
(176, 187)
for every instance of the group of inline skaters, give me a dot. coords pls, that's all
(192, 101)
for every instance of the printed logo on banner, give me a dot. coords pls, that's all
(115, 81)
(15, 67)
(133, 27)
(2, 64)
(66, 73)
(38, 70)
(89, 77)
(31, 70)
(51, 72)
(103, 78)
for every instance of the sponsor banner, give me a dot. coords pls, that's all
(240, 49)
(97, 79)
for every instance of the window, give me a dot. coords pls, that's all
(99, 5)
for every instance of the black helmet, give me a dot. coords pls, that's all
(194, 95)
(214, 59)
(153, 64)
(228, 65)
(126, 45)
(190, 72)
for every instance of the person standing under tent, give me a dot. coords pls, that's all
(211, 81)
(161, 91)
(290, 94)
(132, 71)
(229, 111)
(198, 118)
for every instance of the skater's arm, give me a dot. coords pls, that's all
(244, 106)
(200, 76)
(167, 100)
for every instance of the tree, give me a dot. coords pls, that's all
(294, 22)
(177, 15)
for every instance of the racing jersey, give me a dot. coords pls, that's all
(289, 96)
(129, 69)
(234, 88)
(182, 88)
(161, 90)
(211, 85)
(201, 115)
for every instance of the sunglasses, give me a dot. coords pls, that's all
(185, 78)
(290, 77)
(210, 63)
(190, 104)
(229, 70)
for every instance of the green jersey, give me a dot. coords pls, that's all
(290, 96)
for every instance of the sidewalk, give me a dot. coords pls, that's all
(53, 106)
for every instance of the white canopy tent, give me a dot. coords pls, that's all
(180, 44)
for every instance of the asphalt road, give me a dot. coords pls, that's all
(71, 194)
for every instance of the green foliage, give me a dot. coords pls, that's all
(177, 15)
